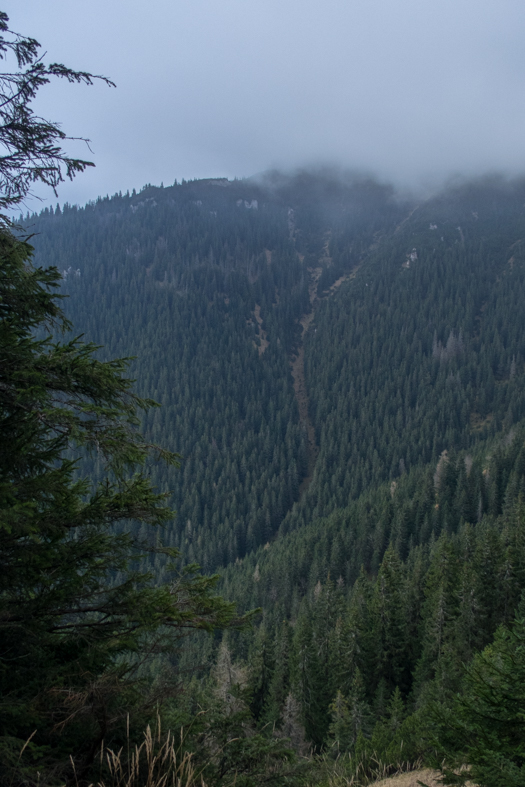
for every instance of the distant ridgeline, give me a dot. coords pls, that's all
(343, 372)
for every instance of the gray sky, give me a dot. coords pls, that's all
(414, 90)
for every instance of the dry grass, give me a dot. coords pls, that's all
(157, 762)
(373, 773)
(411, 779)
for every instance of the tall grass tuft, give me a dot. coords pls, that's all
(157, 762)
(346, 771)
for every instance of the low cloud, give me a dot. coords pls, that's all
(414, 92)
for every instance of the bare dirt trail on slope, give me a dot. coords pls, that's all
(299, 381)
(263, 338)
(297, 361)
(405, 220)
(297, 364)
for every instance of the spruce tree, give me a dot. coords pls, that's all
(485, 729)
(80, 614)
(77, 615)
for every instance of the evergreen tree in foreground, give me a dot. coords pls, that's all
(77, 615)
(485, 729)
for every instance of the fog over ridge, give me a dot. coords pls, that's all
(412, 93)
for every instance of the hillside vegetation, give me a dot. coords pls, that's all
(343, 372)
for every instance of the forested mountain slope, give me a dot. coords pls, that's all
(423, 351)
(205, 283)
(262, 311)
(343, 372)
(372, 613)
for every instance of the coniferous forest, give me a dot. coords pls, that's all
(325, 379)
(342, 372)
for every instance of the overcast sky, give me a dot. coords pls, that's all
(413, 90)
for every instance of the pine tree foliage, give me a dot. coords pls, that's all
(484, 728)
(77, 614)
(31, 146)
